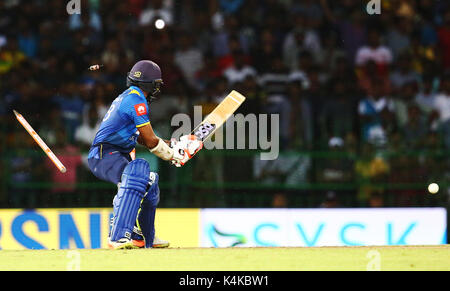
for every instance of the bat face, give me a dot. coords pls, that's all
(204, 130)
(218, 116)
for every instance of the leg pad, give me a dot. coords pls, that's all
(135, 179)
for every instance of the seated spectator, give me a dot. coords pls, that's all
(188, 58)
(227, 38)
(403, 73)
(255, 96)
(10, 56)
(402, 100)
(337, 117)
(276, 79)
(52, 125)
(416, 129)
(85, 133)
(27, 39)
(276, 83)
(371, 169)
(398, 37)
(98, 102)
(370, 111)
(111, 54)
(240, 70)
(209, 72)
(335, 168)
(376, 52)
(316, 95)
(426, 96)
(352, 30)
(70, 157)
(227, 60)
(422, 56)
(305, 63)
(265, 52)
(220, 90)
(172, 75)
(20, 167)
(442, 100)
(299, 39)
(330, 53)
(442, 106)
(71, 106)
(301, 133)
(370, 80)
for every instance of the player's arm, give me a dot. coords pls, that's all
(156, 145)
(181, 152)
(140, 141)
(147, 136)
(178, 153)
(135, 108)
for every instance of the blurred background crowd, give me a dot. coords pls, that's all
(363, 100)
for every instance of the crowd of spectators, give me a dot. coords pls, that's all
(339, 78)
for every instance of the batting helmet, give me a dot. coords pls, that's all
(147, 76)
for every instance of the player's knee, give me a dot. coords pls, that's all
(116, 201)
(136, 176)
(153, 178)
(152, 197)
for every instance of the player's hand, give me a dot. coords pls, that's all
(179, 153)
(185, 149)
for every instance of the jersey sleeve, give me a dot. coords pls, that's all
(135, 107)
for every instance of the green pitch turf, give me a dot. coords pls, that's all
(233, 259)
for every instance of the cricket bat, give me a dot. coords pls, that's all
(218, 116)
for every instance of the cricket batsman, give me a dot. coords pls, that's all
(125, 124)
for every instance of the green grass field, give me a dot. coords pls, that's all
(233, 259)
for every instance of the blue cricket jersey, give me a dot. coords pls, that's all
(118, 129)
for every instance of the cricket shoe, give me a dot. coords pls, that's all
(121, 244)
(157, 243)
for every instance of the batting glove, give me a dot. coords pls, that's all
(185, 149)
